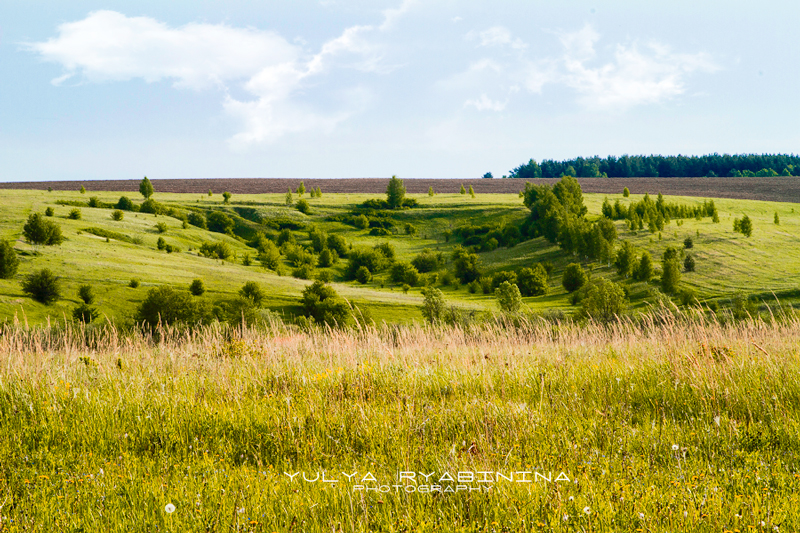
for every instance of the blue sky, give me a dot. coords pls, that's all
(421, 89)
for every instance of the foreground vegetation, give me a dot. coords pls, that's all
(670, 423)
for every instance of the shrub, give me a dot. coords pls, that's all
(38, 231)
(269, 256)
(471, 191)
(226, 197)
(325, 276)
(369, 258)
(379, 232)
(197, 288)
(670, 275)
(689, 263)
(117, 215)
(361, 222)
(776, 219)
(84, 313)
(386, 249)
(486, 285)
(505, 275)
(161, 227)
(246, 261)
(152, 207)
(43, 286)
(303, 206)
(9, 262)
(473, 286)
(687, 296)
(324, 305)
(604, 300)
(574, 277)
(198, 220)
(304, 271)
(161, 243)
(49, 212)
(327, 258)
(94, 202)
(146, 188)
(624, 259)
(74, 214)
(220, 222)
(253, 292)
(626, 192)
(467, 265)
(215, 250)
(299, 256)
(288, 199)
(430, 191)
(644, 268)
(167, 306)
(508, 297)
(410, 229)
(428, 261)
(134, 284)
(463, 190)
(319, 238)
(405, 273)
(83, 189)
(86, 294)
(125, 204)
(688, 243)
(433, 306)
(395, 193)
(338, 244)
(532, 281)
(363, 275)
(286, 236)
(301, 189)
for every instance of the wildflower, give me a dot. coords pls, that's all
(675, 447)
(685, 514)
(587, 510)
(716, 420)
(566, 517)
(169, 508)
(572, 498)
(641, 515)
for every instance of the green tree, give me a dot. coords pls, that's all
(625, 192)
(161, 244)
(84, 313)
(324, 305)
(508, 297)
(9, 262)
(670, 275)
(83, 189)
(488, 176)
(624, 259)
(124, 203)
(776, 220)
(363, 275)
(395, 193)
(689, 263)
(198, 220)
(467, 265)
(289, 200)
(86, 294)
(269, 255)
(433, 305)
(220, 222)
(532, 281)
(471, 191)
(164, 305)
(146, 188)
(430, 192)
(644, 268)
(253, 292)
(301, 189)
(50, 212)
(197, 288)
(574, 277)
(226, 197)
(604, 300)
(746, 226)
(43, 286)
(117, 215)
(39, 231)
(463, 190)
(74, 214)
(303, 206)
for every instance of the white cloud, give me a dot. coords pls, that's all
(484, 103)
(496, 36)
(109, 46)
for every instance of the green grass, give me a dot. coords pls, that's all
(727, 262)
(684, 426)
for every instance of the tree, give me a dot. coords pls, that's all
(167, 306)
(117, 214)
(269, 255)
(83, 189)
(433, 305)
(74, 214)
(162, 227)
(324, 305)
(574, 277)
(303, 206)
(776, 220)
(197, 288)
(43, 286)
(124, 203)
(161, 244)
(625, 192)
(644, 268)
(463, 190)
(39, 231)
(670, 275)
(688, 243)
(226, 197)
(84, 313)
(532, 281)
(9, 262)
(197, 219)
(86, 294)
(430, 192)
(488, 176)
(289, 200)
(624, 259)
(50, 212)
(301, 189)
(604, 300)
(746, 226)
(146, 188)
(395, 193)
(508, 297)
(471, 191)
(467, 265)
(363, 275)
(220, 222)
(253, 292)
(689, 263)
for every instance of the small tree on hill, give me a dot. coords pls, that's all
(746, 226)
(197, 288)
(532, 281)
(226, 197)
(776, 220)
(644, 269)
(9, 262)
(604, 300)
(430, 192)
(146, 188)
(508, 297)
(463, 190)
(670, 275)
(43, 286)
(289, 200)
(471, 191)
(324, 305)
(395, 193)
(301, 189)
(625, 192)
(39, 231)
(83, 189)
(86, 294)
(253, 292)
(433, 306)
(574, 277)
(689, 263)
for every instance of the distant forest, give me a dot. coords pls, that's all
(680, 166)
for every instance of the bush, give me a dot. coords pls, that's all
(74, 214)
(688, 243)
(361, 222)
(325, 276)
(86, 294)
(49, 212)
(197, 220)
(363, 275)
(410, 229)
(670, 275)
(125, 204)
(134, 284)
(161, 243)
(324, 305)
(574, 277)
(9, 262)
(246, 261)
(226, 197)
(84, 313)
(433, 306)
(625, 259)
(532, 281)
(467, 265)
(197, 288)
(299, 256)
(508, 297)
(269, 255)
(146, 188)
(604, 300)
(379, 232)
(327, 258)
(286, 236)
(43, 286)
(405, 273)
(303, 206)
(215, 250)
(220, 222)
(117, 215)
(93, 202)
(152, 207)
(486, 285)
(369, 258)
(688, 263)
(473, 286)
(253, 292)
(304, 271)
(626, 192)
(338, 244)
(167, 306)
(161, 227)
(428, 261)
(38, 231)
(502, 276)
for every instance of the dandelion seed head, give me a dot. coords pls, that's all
(587, 510)
(169, 508)
(675, 447)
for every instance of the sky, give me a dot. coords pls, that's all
(93, 89)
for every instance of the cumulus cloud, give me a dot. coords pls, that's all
(109, 46)
(634, 75)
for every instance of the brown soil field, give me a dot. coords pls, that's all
(779, 189)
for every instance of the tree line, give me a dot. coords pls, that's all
(647, 166)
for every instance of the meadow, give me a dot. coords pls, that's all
(674, 423)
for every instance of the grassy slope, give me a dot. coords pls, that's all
(726, 262)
